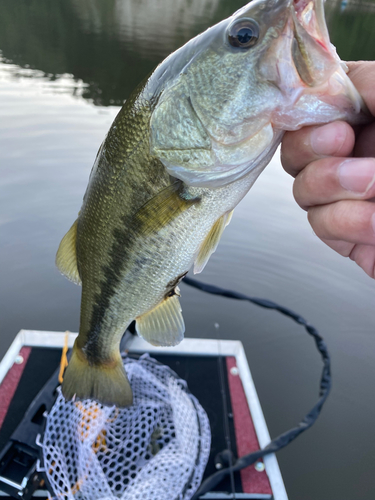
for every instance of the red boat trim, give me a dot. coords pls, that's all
(246, 438)
(10, 382)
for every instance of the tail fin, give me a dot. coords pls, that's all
(107, 384)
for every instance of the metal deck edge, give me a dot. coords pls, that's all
(270, 461)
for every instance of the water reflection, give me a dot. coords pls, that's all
(351, 26)
(111, 45)
(153, 28)
(57, 84)
(59, 57)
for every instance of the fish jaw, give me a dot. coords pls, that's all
(312, 79)
(290, 78)
(303, 62)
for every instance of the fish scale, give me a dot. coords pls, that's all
(183, 151)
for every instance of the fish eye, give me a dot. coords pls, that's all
(243, 33)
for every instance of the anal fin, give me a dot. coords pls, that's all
(66, 257)
(211, 242)
(163, 325)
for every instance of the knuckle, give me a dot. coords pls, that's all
(286, 154)
(300, 193)
(347, 220)
(295, 152)
(316, 184)
(329, 221)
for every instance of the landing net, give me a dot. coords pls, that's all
(156, 449)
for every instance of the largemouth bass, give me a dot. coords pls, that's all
(183, 151)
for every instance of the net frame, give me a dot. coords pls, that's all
(157, 448)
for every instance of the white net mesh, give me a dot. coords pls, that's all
(156, 449)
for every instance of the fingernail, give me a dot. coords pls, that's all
(328, 139)
(373, 222)
(357, 175)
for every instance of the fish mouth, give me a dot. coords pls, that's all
(303, 64)
(340, 89)
(316, 59)
(309, 14)
(311, 41)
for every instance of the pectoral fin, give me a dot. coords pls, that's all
(66, 257)
(163, 325)
(163, 208)
(211, 242)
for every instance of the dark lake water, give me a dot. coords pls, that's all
(66, 66)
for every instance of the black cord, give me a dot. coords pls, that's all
(325, 385)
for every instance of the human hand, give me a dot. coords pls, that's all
(334, 170)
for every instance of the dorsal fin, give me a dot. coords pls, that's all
(163, 325)
(211, 242)
(66, 257)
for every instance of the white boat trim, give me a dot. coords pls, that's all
(36, 494)
(208, 347)
(237, 496)
(10, 356)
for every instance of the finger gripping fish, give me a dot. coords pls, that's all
(183, 151)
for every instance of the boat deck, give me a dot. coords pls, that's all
(216, 372)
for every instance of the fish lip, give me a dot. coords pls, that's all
(310, 35)
(309, 14)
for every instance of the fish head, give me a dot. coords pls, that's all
(224, 99)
